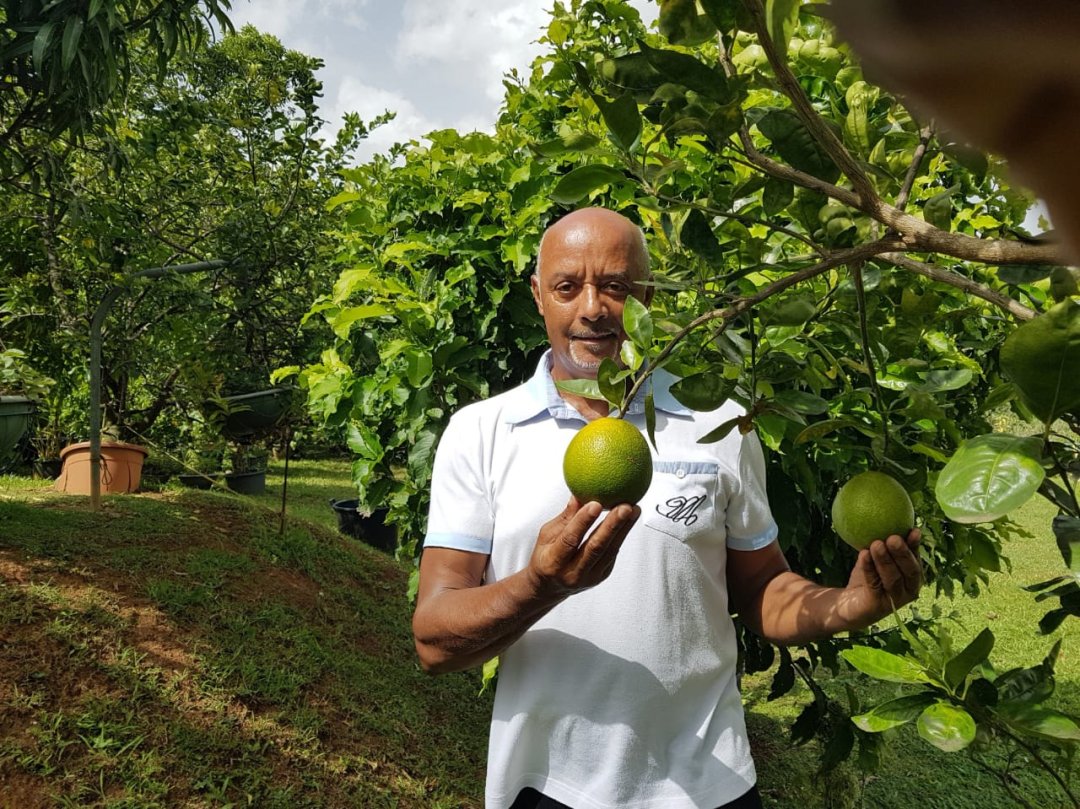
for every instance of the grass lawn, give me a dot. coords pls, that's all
(178, 649)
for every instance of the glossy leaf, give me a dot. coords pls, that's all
(637, 323)
(795, 144)
(1042, 357)
(781, 17)
(947, 727)
(721, 432)
(960, 666)
(581, 387)
(989, 476)
(583, 181)
(882, 665)
(776, 195)
(1067, 534)
(938, 210)
(703, 392)
(650, 414)
(893, 713)
(698, 236)
(1041, 721)
(682, 68)
(623, 120)
(681, 23)
(607, 379)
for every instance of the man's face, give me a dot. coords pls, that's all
(591, 263)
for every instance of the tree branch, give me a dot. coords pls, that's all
(953, 279)
(840, 257)
(913, 170)
(826, 138)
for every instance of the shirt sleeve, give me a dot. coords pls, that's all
(750, 523)
(460, 515)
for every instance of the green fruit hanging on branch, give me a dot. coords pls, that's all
(872, 505)
(608, 461)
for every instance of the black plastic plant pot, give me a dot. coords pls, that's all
(370, 529)
(252, 414)
(199, 481)
(15, 415)
(246, 482)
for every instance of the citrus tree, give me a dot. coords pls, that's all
(864, 285)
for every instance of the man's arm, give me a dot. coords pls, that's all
(787, 609)
(461, 622)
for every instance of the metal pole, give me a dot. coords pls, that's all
(96, 324)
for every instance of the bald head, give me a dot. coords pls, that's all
(592, 226)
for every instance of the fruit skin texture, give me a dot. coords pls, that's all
(872, 505)
(608, 461)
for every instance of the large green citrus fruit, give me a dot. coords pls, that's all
(608, 461)
(871, 506)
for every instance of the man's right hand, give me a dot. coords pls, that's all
(562, 563)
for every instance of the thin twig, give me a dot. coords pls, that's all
(953, 279)
(913, 170)
(837, 259)
(868, 355)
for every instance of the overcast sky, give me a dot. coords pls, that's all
(436, 63)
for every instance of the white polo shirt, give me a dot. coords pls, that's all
(623, 695)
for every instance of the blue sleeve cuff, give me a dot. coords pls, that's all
(754, 543)
(460, 542)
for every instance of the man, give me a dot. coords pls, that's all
(617, 650)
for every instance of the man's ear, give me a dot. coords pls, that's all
(534, 284)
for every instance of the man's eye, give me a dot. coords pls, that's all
(564, 288)
(618, 289)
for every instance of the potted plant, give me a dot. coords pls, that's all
(120, 469)
(247, 469)
(20, 387)
(245, 416)
(202, 466)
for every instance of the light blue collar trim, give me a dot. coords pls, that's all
(540, 396)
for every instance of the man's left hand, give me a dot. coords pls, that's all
(886, 576)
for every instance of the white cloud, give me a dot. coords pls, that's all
(478, 40)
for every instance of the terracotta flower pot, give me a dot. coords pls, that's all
(121, 468)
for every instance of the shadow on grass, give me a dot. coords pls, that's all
(176, 647)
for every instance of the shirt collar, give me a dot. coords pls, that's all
(540, 396)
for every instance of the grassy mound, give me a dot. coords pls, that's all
(176, 649)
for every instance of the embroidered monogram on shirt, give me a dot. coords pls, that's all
(681, 509)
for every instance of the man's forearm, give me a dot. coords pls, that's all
(793, 610)
(457, 629)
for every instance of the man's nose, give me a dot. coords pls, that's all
(593, 306)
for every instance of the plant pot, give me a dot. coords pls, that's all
(15, 415)
(204, 481)
(252, 414)
(120, 471)
(246, 482)
(371, 529)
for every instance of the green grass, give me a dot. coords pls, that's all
(178, 649)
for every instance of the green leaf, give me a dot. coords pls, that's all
(1017, 274)
(794, 311)
(681, 68)
(947, 727)
(721, 432)
(801, 402)
(589, 388)
(631, 356)
(703, 392)
(967, 157)
(343, 321)
(418, 366)
(611, 385)
(776, 195)
(650, 413)
(989, 476)
(1042, 357)
(681, 23)
(794, 143)
(1067, 534)
(623, 120)
(957, 669)
(1043, 722)
(942, 380)
(637, 323)
(893, 713)
(583, 181)
(73, 29)
(938, 209)
(41, 43)
(819, 429)
(781, 19)
(488, 673)
(698, 236)
(571, 142)
(882, 665)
